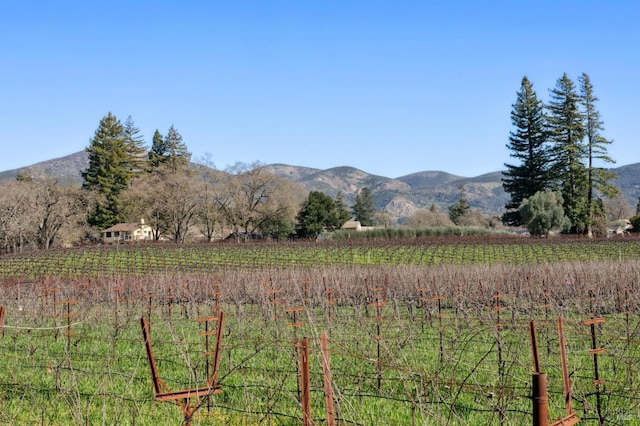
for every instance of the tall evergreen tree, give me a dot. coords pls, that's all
(566, 126)
(527, 144)
(318, 213)
(341, 207)
(598, 178)
(109, 171)
(178, 156)
(136, 146)
(158, 151)
(169, 151)
(364, 208)
(461, 208)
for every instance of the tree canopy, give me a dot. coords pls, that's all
(110, 171)
(598, 178)
(527, 144)
(560, 147)
(543, 213)
(318, 213)
(364, 208)
(169, 151)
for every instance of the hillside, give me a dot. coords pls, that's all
(65, 169)
(399, 197)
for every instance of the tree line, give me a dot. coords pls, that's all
(126, 182)
(560, 180)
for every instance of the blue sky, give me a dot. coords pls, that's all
(389, 87)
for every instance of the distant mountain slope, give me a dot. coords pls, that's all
(65, 169)
(399, 197)
(428, 179)
(402, 196)
(628, 181)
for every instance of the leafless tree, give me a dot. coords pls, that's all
(618, 208)
(209, 218)
(168, 200)
(37, 211)
(15, 203)
(250, 196)
(56, 206)
(428, 218)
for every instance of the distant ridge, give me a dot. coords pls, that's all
(65, 169)
(399, 197)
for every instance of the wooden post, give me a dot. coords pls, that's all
(328, 390)
(539, 398)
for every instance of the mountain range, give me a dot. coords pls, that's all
(399, 197)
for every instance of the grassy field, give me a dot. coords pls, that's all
(413, 339)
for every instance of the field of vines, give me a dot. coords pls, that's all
(433, 331)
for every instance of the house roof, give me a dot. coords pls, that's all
(351, 224)
(124, 227)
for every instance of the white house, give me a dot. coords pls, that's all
(355, 225)
(127, 232)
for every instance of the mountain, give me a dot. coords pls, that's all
(399, 197)
(628, 181)
(65, 169)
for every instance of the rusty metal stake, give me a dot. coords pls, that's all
(595, 351)
(328, 390)
(68, 315)
(534, 347)
(294, 325)
(183, 397)
(440, 327)
(306, 382)
(566, 384)
(539, 398)
(2, 319)
(571, 418)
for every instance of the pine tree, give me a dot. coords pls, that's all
(318, 213)
(461, 208)
(568, 152)
(178, 156)
(135, 146)
(527, 143)
(343, 212)
(598, 178)
(364, 209)
(158, 152)
(109, 171)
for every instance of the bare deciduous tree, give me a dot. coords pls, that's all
(250, 196)
(429, 218)
(168, 200)
(36, 212)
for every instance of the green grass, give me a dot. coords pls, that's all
(482, 374)
(105, 379)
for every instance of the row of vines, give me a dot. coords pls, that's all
(159, 258)
(444, 344)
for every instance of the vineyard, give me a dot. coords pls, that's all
(154, 258)
(420, 332)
